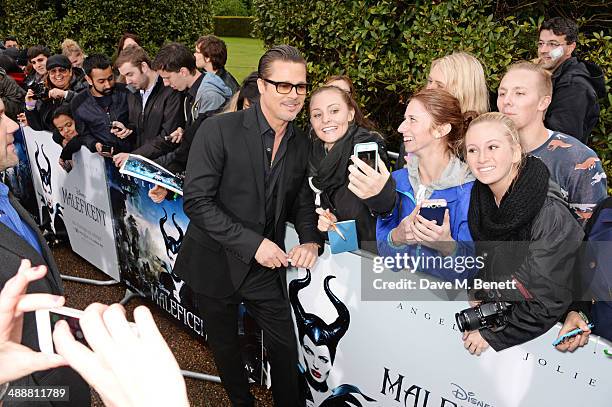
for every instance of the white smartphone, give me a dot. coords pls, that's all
(46, 319)
(368, 153)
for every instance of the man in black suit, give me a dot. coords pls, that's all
(155, 110)
(21, 239)
(246, 176)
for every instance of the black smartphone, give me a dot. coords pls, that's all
(106, 149)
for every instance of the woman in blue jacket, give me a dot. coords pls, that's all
(432, 129)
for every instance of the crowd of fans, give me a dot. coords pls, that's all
(524, 173)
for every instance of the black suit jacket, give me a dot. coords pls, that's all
(224, 200)
(162, 114)
(12, 249)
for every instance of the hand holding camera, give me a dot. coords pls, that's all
(490, 315)
(38, 91)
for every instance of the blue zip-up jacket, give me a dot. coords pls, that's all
(458, 202)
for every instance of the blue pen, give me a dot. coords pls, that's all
(568, 335)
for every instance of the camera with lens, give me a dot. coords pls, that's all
(40, 91)
(491, 315)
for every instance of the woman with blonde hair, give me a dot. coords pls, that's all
(462, 75)
(73, 51)
(519, 220)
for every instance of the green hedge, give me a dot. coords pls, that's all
(233, 26)
(386, 47)
(98, 25)
(230, 8)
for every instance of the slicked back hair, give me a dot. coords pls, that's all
(285, 53)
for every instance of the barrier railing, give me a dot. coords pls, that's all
(391, 353)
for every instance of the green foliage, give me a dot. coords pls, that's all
(233, 26)
(98, 25)
(597, 49)
(386, 46)
(229, 8)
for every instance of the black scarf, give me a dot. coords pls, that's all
(512, 220)
(329, 169)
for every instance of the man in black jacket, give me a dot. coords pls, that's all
(246, 175)
(576, 84)
(102, 111)
(155, 110)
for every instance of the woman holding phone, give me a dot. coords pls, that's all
(338, 126)
(432, 130)
(518, 216)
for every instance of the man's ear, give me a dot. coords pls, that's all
(89, 80)
(184, 71)
(261, 85)
(544, 103)
(570, 48)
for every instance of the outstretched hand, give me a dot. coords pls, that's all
(18, 360)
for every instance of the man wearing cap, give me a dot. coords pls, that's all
(60, 86)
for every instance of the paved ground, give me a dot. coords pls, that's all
(189, 352)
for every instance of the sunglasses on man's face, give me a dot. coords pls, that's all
(58, 71)
(285, 88)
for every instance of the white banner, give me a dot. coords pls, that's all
(393, 353)
(76, 202)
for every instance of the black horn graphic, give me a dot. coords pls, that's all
(45, 174)
(172, 245)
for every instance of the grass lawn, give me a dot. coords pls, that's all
(242, 55)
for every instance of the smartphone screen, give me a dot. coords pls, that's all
(436, 214)
(368, 157)
(73, 324)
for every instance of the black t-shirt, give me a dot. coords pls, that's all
(104, 102)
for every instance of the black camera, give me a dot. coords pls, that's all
(40, 91)
(491, 315)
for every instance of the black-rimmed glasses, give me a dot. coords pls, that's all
(285, 87)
